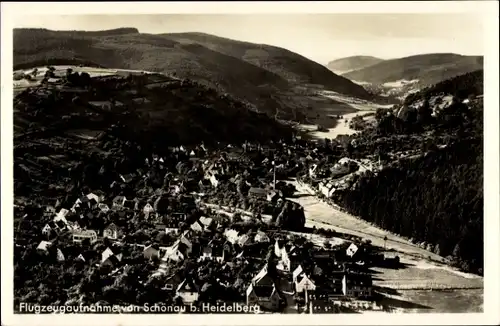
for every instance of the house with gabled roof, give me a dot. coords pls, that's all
(81, 258)
(103, 207)
(244, 240)
(50, 228)
(188, 291)
(263, 291)
(284, 262)
(43, 246)
(148, 209)
(302, 281)
(81, 235)
(181, 249)
(212, 251)
(112, 232)
(277, 249)
(119, 202)
(351, 250)
(197, 226)
(261, 237)
(93, 196)
(108, 258)
(59, 255)
(266, 297)
(206, 222)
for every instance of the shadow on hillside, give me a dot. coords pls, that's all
(371, 271)
(392, 265)
(299, 196)
(385, 290)
(398, 303)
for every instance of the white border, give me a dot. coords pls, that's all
(489, 9)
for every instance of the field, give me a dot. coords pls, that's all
(428, 301)
(424, 283)
(61, 71)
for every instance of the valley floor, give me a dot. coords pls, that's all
(360, 108)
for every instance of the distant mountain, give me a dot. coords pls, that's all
(262, 75)
(428, 69)
(356, 62)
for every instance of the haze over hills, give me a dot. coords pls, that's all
(262, 75)
(428, 69)
(344, 65)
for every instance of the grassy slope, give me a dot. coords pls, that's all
(353, 63)
(257, 74)
(428, 68)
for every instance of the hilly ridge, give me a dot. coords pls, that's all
(347, 64)
(261, 75)
(428, 69)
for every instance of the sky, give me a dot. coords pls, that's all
(319, 37)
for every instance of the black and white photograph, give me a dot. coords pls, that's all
(190, 164)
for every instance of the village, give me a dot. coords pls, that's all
(216, 226)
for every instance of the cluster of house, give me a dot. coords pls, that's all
(268, 289)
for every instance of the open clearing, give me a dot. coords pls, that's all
(61, 71)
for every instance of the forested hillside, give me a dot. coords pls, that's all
(461, 86)
(434, 196)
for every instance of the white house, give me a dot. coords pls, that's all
(119, 201)
(47, 229)
(148, 209)
(244, 240)
(112, 232)
(277, 249)
(351, 250)
(44, 246)
(103, 207)
(296, 272)
(60, 256)
(284, 263)
(261, 237)
(79, 236)
(206, 221)
(213, 180)
(188, 291)
(174, 254)
(327, 188)
(197, 226)
(231, 236)
(94, 197)
(312, 170)
(106, 254)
